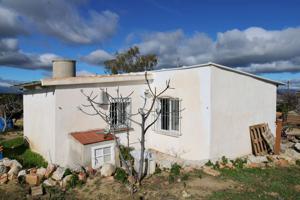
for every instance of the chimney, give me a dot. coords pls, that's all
(63, 68)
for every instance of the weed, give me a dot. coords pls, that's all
(157, 170)
(67, 172)
(239, 163)
(175, 169)
(209, 163)
(74, 181)
(217, 165)
(185, 176)
(121, 175)
(125, 151)
(224, 160)
(31, 159)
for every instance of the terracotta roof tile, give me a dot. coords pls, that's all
(92, 136)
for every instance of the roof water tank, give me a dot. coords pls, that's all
(63, 68)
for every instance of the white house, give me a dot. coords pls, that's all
(206, 115)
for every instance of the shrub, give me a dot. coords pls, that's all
(121, 175)
(125, 151)
(74, 181)
(185, 177)
(13, 143)
(224, 160)
(175, 169)
(67, 172)
(209, 163)
(31, 159)
(217, 165)
(239, 163)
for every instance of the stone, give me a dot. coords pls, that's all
(32, 179)
(50, 169)
(21, 176)
(131, 180)
(185, 194)
(36, 191)
(107, 170)
(292, 153)
(3, 178)
(297, 147)
(255, 165)
(32, 170)
(15, 163)
(59, 173)
(6, 162)
(229, 165)
(282, 163)
(41, 172)
(65, 181)
(3, 169)
(91, 172)
(50, 182)
(14, 170)
(210, 171)
(22, 173)
(257, 159)
(82, 176)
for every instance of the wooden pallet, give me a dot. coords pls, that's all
(259, 145)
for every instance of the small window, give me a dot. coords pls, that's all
(102, 155)
(169, 119)
(119, 112)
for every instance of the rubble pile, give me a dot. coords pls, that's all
(52, 176)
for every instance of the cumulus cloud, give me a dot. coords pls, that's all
(97, 57)
(61, 19)
(11, 55)
(254, 50)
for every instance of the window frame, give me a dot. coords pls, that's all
(170, 131)
(119, 125)
(112, 155)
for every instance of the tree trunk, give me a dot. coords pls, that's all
(4, 122)
(142, 157)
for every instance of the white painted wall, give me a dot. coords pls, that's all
(238, 102)
(39, 124)
(193, 88)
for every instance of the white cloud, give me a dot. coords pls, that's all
(255, 49)
(62, 19)
(97, 57)
(84, 73)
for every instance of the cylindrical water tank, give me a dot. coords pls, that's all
(63, 68)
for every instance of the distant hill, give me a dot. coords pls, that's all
(9, 90)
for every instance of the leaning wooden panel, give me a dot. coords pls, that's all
(259, 146)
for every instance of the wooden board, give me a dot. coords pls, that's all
(259, 145)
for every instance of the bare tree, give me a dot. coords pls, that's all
(150, 98)
(11, 107)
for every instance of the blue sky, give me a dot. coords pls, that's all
(260, 37)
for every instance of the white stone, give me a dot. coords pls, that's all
(50, 182)
(6, 162)
(65, 180)
(297, 147)
(59, 173)
(41, 172)
(14, 170)
(257, 159)
(185, 194)
(107, 170)
(22, 173)
(15, 163)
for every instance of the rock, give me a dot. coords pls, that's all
(185, 194)
(91, 172)
(14, 170)
(3, 169)
(15, 163)
(257, 159)
(3, 178)
(107, 170)
(82, 176)
(297, 147)
(36, 191)
(66, 180)
(131, 180)
(282, 163)
(50, 169)
(21, 176)
(32, 170)
(229, 165)
(59, 173)
(32, 179)
(210, 171)
(41, 172)
(292, 153)
(255, 165)
(6, 162)
(50, 182)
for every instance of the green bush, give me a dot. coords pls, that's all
(13, 143)
(31, 159)
(224, 160)
(175, 169)
(121, 175)
(209, 163)
(239, 163)
(74, 181)
(125, 151)
(185, 177)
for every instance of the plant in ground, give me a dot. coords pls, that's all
(239, 163)
(209, 163)
(224, 160)
(121, 175)
(31, 159)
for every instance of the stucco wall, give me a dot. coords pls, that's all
(192, 87)
(70, 119)
(39, 121)
(238, 102)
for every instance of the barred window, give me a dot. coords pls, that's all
(119, 111)
(169, 119)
